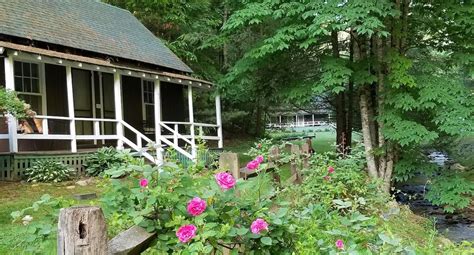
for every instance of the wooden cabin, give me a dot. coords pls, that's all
(95, 76)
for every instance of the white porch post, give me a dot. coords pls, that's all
(70, 107)
(191, 119)
(118, 108)
(219, 122)
(12, 122)
(313, 119)
(157, 109)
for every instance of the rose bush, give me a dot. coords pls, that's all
(201, 213)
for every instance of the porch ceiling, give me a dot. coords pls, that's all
(77, 61)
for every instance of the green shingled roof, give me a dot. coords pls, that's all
(88, 25)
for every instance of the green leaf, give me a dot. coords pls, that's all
(138, 220)
(266, 240)
(242, 231)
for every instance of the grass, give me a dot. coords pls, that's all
(16, 196)
(322, 142)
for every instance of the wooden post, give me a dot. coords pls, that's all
(295, 174)
(219, 121)
(118, 108)
(229, 160)
(191, 120)
(157, 109)
(132, 241)
(306, 154)
(82, 231)
(272, 159)
(12, 121)
(70, 106)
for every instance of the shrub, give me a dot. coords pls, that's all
(106, 158)
(48, 171)
(451, 191)
(172, 200)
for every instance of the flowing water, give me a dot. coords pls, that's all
(457, 227)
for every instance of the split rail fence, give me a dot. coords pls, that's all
(82, 230)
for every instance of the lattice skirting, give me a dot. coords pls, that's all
(13, 166)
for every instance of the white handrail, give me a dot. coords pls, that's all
(206, 125)
(176, 122)
(176, 133)
(52, 117)
(138, 133)
(180, 150)
(135, 146)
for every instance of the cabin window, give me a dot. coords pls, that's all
(27, 84)
(148, 88)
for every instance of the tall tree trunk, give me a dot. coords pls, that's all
(366, 131)
(225, 62)
(341, 120)
(365, 115)
(350, 101)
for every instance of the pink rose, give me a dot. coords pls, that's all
(196, 206)
(327, 178)
(259, 159)
(143, 183)
(186, 233)
(258, 225)
(226, 181)
(330, 169)
(252, 165)
(340, 244)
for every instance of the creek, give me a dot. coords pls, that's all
(457, 226)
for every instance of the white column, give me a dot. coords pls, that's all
(219, 121)
(157, 110)
(118, 108)
(313, 119)
(12, 122)
(191, 119)
(70, 107)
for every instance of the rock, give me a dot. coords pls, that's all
(35, 185)
(85, 182)
(132, 241)
(71, 187)
(457, 167)
(86, 196)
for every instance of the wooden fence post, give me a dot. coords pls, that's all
(272, 159)
(229, 160)
(82, 231)
(295, 174)
(305, 150)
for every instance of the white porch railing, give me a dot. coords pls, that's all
(141, 144)
(298, 124)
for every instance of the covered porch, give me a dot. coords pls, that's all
(84, 102)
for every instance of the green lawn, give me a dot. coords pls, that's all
(16, 196)
(323, 142)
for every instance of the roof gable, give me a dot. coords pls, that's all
(88, 25)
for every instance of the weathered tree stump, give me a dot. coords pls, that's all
(82, 231)
(229, 160)
(133, 241)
